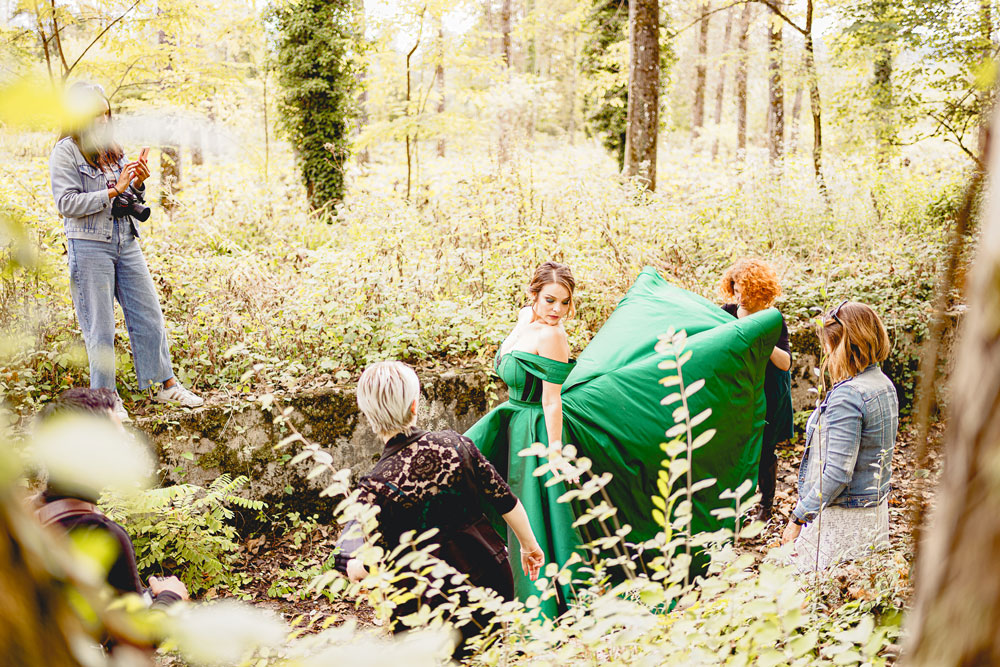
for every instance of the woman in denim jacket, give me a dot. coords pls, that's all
(89, 173)
(843, 507)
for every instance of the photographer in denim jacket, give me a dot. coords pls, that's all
(843, 507)
(100, 196)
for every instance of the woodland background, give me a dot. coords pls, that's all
(341, 182)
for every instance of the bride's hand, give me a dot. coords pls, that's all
(562, 464)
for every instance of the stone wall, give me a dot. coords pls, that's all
(239, 437)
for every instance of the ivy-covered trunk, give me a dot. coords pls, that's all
(317, 49)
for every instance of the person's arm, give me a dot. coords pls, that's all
(840, 441)
(781, 359)
(352, 538)
(553, 345)
(166, 591)
(67, 189)
(532, 557)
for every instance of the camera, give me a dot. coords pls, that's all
(127, 204)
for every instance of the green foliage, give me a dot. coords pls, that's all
(185, 530)
(605, 63)
(317, 64)
(934, 69)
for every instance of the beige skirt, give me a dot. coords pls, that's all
(843, 534)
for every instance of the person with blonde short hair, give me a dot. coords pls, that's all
(843, 507)
(434, 480)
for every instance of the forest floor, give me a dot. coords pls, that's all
(278, 567)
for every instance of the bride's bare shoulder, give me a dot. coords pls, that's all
(524, 316)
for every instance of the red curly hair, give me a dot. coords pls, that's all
(758, 283)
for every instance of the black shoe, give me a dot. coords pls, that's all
(762, 514)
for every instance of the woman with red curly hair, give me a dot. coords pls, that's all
(751, 285)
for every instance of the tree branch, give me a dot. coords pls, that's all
(777, 12)
(957, 140)
(710, 13)
(98, 38)
(55, 33)
(121, 81)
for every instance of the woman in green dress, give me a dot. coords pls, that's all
(533, 361)
(609, 405)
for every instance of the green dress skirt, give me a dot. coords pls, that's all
(612, 414)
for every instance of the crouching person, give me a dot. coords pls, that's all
(74, 510)
(434, 480)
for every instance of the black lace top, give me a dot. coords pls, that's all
(427, 480)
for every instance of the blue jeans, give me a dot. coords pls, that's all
(100, 272)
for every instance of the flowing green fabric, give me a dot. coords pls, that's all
(612, 413)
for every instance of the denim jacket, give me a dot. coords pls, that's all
(857, 432)
(81, 193)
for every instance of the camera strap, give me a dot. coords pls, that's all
(58, 510)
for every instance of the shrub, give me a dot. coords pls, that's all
(184, 530)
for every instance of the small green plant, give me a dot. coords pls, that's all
(184, 530)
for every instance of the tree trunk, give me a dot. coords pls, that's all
(720, 89)
(741, 80)
(503, 148)
(986, 95)
(439, 79)
(532, 65)
(793, 134)
(363, 157)
(775, 88)
(643, 91)
(815, 106)
(170, 175)
(198, 141)
(885, 134)
(700, 74)
(505, 32)
(957, 599)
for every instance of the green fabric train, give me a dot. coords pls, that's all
(612, 413)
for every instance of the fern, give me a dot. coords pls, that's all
(185, 529)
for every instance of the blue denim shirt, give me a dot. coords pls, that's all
(857, 425)
(81, 193)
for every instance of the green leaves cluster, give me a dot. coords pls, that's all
(185, 530)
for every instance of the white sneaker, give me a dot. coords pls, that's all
(178, 395)
(120, 410)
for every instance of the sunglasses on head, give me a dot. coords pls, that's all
(833, 313)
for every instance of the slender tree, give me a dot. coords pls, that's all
(700, 72)
(775, 86)
(439, 82)
(741, 78)
(643, 91)
(721, 87)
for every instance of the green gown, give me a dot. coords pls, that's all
(612, 413)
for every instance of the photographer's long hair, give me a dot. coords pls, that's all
(101, 154)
